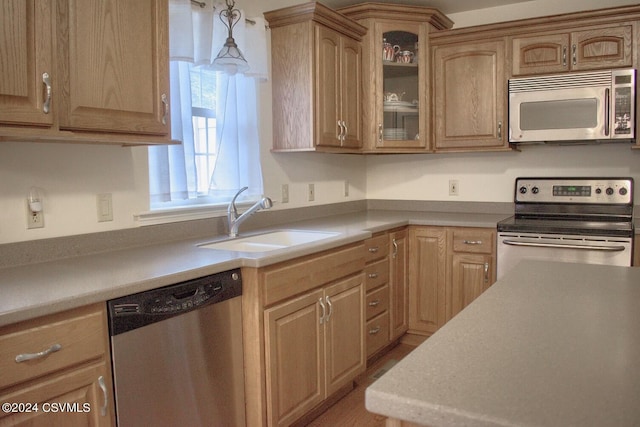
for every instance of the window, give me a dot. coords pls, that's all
(214, 114)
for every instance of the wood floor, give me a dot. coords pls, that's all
(350, 410)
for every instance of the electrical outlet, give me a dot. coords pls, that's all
(312, 192)
(34, 219)
(285, 193)
(104, 206)
(454, 187)
(346, 189)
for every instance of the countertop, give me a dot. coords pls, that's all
(550, 344)
(39, 289)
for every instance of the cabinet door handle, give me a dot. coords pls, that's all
(373, 275)
(374, 249)
(324, 310)
(374, 331)
(165, 106)
(330, 308)
(346, 130)
(564, 56)
(472, 242)
(395, 248)
(46, 105)
(486, 272)
(380, 133)
(574, 54)
(105, 395)
(374, 303)
(500, 129)
(29, 356)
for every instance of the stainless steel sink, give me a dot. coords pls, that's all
(269, 241)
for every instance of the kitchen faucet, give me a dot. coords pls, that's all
(234, 220)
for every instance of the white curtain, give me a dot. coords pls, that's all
(196, 35)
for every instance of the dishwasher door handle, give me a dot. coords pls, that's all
(616, 248)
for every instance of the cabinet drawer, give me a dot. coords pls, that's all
(290, 279)
(377, 332)
(73, 337)
(473, 240)
(376, 248)
(377, 302)
(376, 274)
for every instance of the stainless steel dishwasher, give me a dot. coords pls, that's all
(177, 354)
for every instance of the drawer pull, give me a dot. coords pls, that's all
(374, 303)
(374, 249)
(373, 275)
(105, 404)
(374, 331)
(472, 242)
(29, 356)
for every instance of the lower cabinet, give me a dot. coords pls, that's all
(303, 333)
(314, 346)
(56, 370)
(449, 268)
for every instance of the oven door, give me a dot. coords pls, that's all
(515, 247)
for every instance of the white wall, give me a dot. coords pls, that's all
(72, 175)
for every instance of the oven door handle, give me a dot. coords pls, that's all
(565, 246)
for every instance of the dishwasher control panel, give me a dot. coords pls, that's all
(137, 310)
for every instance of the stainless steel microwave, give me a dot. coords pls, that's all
(585, 106)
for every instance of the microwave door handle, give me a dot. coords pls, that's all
(607, 106)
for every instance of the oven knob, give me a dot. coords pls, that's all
(609, 191)
(622, 191)
(523, 190)
(535, 190)
(598, 190)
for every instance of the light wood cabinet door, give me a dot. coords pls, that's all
(399, 283)
(113, 59)
(470, 99)
(338, 73)
(351, 100)
(344, 323)
(471, 275)
(294, 357)
(589, 49)
(26, 62)
(74, 399)
(427, 279)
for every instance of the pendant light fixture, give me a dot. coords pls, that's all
(230, 59)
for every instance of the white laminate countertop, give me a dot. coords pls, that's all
(34, 290)
(550, 344)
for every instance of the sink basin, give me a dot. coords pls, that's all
(270, 241)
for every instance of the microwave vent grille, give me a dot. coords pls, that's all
(560, 81)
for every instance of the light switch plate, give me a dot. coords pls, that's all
(104, 207)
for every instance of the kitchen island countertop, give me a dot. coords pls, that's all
(550, 344)
(39, 289)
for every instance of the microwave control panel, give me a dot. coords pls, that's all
(623, 114)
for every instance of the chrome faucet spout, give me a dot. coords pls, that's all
(234, 220)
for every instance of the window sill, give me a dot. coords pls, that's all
(177, 214)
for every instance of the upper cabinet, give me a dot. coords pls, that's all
(395, 74)
(469, 100)
(316, 62)
(586, 49)
(70, 71)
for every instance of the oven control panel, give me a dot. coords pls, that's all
(574, 190)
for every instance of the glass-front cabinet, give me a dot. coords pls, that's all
(395, 74)
(401, 95)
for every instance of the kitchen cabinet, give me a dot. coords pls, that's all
(449, 268)
(62, 359)
(399, 283)
(75, 78)
(316, 79)
(470, 102)
(581, 50)
(395, 77)
(303, 333)
(377, 297)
